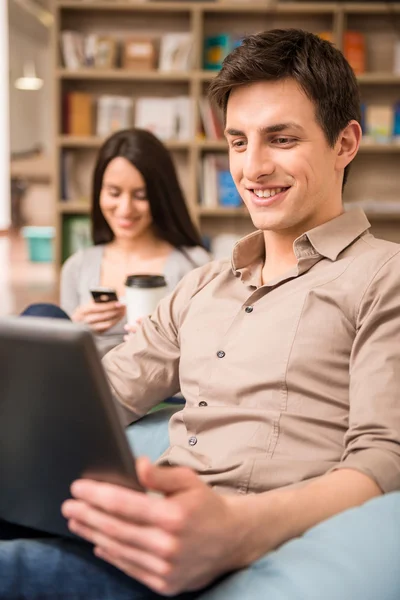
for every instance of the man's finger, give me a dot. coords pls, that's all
(148, 561)
(148, 538)
(152, 581)
(135, 507)
(168, 480)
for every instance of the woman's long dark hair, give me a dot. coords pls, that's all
(168, 208)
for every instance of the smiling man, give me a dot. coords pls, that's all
(289, 359)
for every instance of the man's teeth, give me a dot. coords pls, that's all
(268, 193)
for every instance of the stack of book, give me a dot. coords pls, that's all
(380, 123)
(217, 188)
(140, 52)
(167, 118)
(211, 120)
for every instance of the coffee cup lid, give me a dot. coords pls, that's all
(145, 281)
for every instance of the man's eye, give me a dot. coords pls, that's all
(238, 143)
(284, 140)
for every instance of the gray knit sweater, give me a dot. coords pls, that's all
(81, 272)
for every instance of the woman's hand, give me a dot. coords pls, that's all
(100, 316)
(129, 328)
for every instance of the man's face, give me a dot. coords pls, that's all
(281, 163)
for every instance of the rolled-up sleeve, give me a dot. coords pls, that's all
(145, 370)
(372, 442)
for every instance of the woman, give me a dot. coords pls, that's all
(140, 224)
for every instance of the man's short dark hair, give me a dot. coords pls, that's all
(319, 69)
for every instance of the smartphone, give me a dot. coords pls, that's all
(104, 294)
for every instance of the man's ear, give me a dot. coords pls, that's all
(347, 144)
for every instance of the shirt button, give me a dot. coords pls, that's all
(249, 309)
(220, 354)
(202, 403)
(192, 441)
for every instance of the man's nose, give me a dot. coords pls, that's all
(258, 163)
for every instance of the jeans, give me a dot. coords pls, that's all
(353, 556)
(45, 310)
(41, 567)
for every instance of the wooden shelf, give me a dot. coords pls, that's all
(70, 141)
(201, 18)
(223, 212)
(125, 6)
(119, 74)
(383, 216)
(212, 6)
(379, 78)
(295, 8)
(93, 142)
(379, 148)
(71, 207)
(122, 75)
(212, 145)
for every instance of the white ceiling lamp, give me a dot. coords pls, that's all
(29, 80)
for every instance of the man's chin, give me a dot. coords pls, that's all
(269, 223)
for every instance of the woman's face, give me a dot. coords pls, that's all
(123, 200)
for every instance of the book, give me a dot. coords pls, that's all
(183, 117)
(113, 113)
(100, 51)
(379, 123)
(156, 115)
(228, 194)
(176, 51)
(211, 120)
(77, 113)
(76, 174)
(216, 48)
(354, 51)
(217, 188)
(208, 187)
(72, 49)
(396, 124)
(168, 118)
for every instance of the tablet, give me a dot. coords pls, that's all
(58, 421)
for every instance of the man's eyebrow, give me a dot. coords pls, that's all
(277, 128)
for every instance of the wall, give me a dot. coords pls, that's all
(4, 140)
(31, 111)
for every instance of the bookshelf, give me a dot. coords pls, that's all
(376, 163)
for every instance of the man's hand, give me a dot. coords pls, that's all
(175, 543)
(130, 329)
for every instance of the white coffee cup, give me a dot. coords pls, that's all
(142, 294)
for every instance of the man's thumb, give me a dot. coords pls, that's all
(167, 480)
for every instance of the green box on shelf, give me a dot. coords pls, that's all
(40, 243)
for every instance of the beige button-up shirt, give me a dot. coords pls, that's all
(285, 381)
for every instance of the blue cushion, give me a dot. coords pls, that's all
(352, 556)
(149, 436)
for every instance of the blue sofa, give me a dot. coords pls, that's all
(353, 556)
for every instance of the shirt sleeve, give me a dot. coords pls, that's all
(69, 283)
(145, 370)
(372, 441)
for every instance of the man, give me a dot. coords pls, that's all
(288, 356)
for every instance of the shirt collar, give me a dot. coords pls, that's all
(331, 238)
(328, 240)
